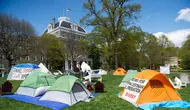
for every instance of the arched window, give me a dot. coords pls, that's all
(49, 27)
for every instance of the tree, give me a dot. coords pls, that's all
(94, 53)
(17, 38)
(52, 50)
(152, 50)
(168, 49)
(110, 19)
(184, 54)
(75, 47)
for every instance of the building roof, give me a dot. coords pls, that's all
(66, 25)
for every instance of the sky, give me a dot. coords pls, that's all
(159, 17)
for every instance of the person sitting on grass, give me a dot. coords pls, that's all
(7, 88)
(99, 86)
(88, 85)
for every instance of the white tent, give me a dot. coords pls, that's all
(43, 68)
(185, 78)
(100, 71)
(165, 69)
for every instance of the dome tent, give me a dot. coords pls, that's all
(149, 87)
(37, 83)
(119, 71)
(67, 89)
(130, 74)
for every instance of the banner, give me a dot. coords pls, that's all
(21, 73)
(165, 69)
(133, 89)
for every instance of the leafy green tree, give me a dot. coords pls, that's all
(152, 50)
(184, 54)
(168, 49)
(110, 18)
(52, 50)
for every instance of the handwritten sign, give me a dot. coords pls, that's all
(133, 89)
(21, 73)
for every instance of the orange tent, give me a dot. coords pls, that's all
(119, 71)
(149, 86)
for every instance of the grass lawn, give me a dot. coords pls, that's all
(106, 101)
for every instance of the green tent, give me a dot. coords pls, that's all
(36, 84)
(67, 89)
(130, 74)
(68, 82)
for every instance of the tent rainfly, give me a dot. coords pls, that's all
(69, 90)
(147, 87)
(119, 71)
(37, 83)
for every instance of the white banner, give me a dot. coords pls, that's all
(165, 69)
(21, 73)
(133, 89)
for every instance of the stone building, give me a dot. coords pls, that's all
(69, 32)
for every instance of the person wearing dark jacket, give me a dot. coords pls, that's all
(99, 86)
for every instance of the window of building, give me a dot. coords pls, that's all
(49, 27)
(3, 57)
(12, 57)
(2, 65)
(27, 58)
(42, 58)
(35, 58)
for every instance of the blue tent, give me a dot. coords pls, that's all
(21, 71)
(28, 65)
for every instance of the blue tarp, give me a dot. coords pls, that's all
(27, 66)
(35, 100)
(166, 104)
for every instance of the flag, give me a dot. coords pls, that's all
(68, 9)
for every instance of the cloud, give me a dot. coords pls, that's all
(184, 14)
(177, 37)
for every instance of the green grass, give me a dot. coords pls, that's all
(106, 101)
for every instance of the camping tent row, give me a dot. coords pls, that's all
(121, 71)
(147, 87)
(66, 89)
(21, 71)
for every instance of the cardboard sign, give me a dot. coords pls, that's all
(133, 89)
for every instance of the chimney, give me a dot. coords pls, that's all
(53, 22)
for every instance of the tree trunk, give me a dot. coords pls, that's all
(10, 63)
(115, 58)
(72, 63)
